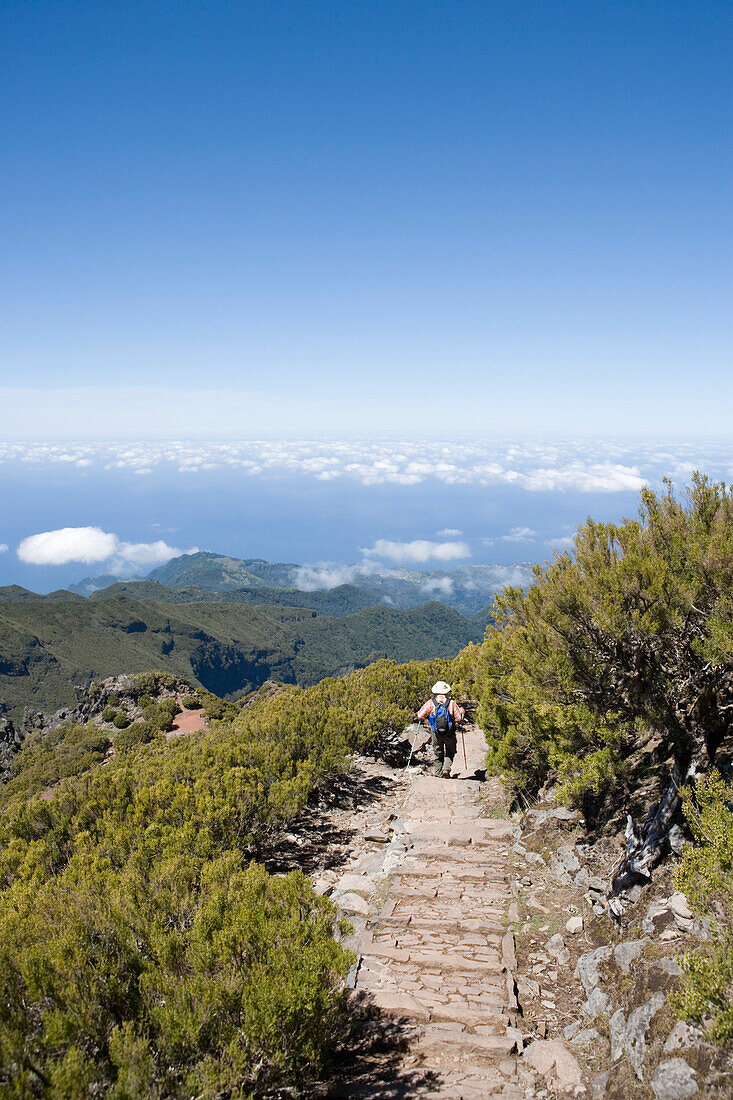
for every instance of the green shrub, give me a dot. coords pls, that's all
(706, 877)
(191, 702)
(109, 714)
(146, 700)
(604, 645)
(215, 708)
(152, 683)
(139, 733)
(141, 951)
(160, 715)
(47, 757)
(120, 720)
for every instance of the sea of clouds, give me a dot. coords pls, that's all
(571, 465)
(537, 471)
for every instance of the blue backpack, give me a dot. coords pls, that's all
(441, 720)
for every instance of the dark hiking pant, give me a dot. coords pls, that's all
(444, 749)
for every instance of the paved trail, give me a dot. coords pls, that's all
(437, 954)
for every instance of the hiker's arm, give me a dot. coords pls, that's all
(425, 710)
(458, 712)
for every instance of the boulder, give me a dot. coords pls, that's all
(684, 918)
(625, 953)
(568, 859)
(574, 925)
(629, 1036)
(674, 1080)
(555, 947)
(585, 1036)
(598, 1004)
(588, 967)
(683, 1036)
(355, 884)
(552, 1059)
(353, 903)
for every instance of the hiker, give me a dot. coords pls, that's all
(443, 713)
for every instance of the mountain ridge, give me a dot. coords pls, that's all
(468, 589)
(47, 646)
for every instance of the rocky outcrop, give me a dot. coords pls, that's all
(596, 970)
(10, 742)
(91, 702)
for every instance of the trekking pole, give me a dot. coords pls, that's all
(463, 742)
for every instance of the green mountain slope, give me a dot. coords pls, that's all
(13, 593)
(336, 601)
(468, 589)
(216, 571)
(48, 646)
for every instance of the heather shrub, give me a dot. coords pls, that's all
(705, 875)
(143, 950)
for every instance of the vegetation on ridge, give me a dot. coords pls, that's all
(629, 637)
(141, 952)
(46, 647)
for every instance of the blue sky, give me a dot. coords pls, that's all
(264, 218)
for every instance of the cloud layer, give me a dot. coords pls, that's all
(93, 546)
(602, 466)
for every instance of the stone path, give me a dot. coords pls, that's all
(436, 954)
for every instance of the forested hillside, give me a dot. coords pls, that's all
(49, 645)
(468, 589)
(341, 600)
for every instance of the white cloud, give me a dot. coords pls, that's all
(520, 534)
(563, 542)
(324, 576)
(440, 586)
(450, 532)
(418, 551)
(85, 544)
(3, 547)
(92, 545)
(578, 466)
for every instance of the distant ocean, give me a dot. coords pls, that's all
(327, 501)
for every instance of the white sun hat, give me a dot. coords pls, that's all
(440, 688)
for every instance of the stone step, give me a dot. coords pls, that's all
(442, 1041)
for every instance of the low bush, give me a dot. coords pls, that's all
(120, 720)
(109, 714)
(160, 715)
(191, 702)
(152, 683)
(142, 952)
(47, 757)
(139, 733)
(705, 875)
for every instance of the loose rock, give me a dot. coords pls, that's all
(598, 1004)
(353, 903)
(588, 965)
(674, 1080)
(683, 1036)
(625, 953)
(555, 1062)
